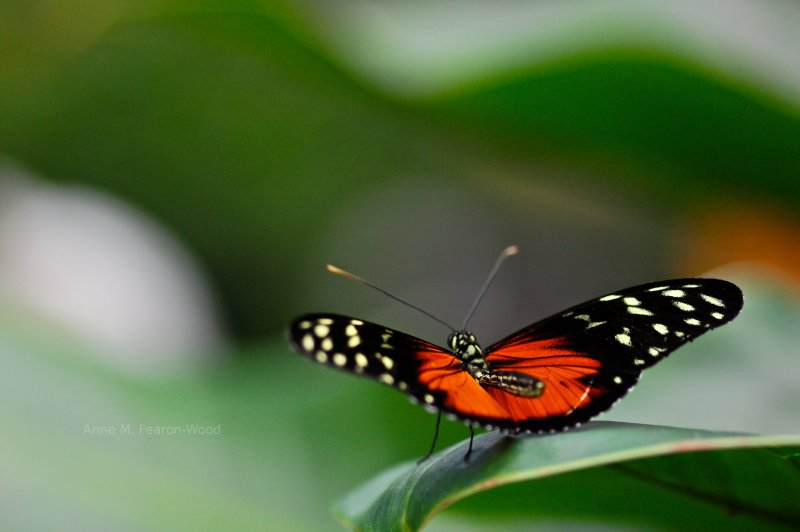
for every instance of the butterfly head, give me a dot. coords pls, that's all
(467, 349)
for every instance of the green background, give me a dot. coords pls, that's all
(615, 143)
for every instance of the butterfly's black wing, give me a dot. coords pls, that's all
(590, 355)
(392, 357)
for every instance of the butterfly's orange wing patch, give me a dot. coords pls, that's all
(566, 374)
(455, 390)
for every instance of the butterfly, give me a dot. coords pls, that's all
(547, 377)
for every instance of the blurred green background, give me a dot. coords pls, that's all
(175, 175)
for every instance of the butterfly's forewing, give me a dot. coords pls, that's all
(389, 356)
(429, 374)
(590, 355)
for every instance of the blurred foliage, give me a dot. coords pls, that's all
(243, 133)
(616, 143)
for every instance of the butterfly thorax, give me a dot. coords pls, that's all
(467, 349)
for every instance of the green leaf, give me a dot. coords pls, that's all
(639, 473)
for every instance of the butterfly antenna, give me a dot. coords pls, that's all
(338, 271)
(509, 251)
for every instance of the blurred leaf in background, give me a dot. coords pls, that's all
(195, 164)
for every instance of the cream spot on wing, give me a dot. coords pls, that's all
(339, 359)
(673, 293)
(660, 328)
(304, 324)
(361, 360)
(640, 311)
(387, 362)
(717, 315)
(321, 331)
(631, 301)
(308, 342)
(351, 330)
(691, 286)
(624, 339)
(618, 380)
(683, 306)
(357, 322)
(680, 334)
(325, 321)
(326, 344)
(657, 288)
(713, 300)
(654, 351)
(692, 321)
(321, 357)
(428, 398)
(638, 362)
(386, 379)
(610, 297)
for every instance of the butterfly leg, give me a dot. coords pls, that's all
(435, 437)
(471, 437)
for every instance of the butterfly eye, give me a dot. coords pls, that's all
(452, 341)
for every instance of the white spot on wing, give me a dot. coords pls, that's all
(387, 362)
(353, 341)
(686, 307)
(321, 331)
(339, 359)
(361, 360)
(308, 343)
(624, 339)
(673, 293)
(717, 315)
(691, 286)
(351, 330)
(386, 379)
(327, 344)
(321, 357)
(692, 321)
(428, 398)
(660, 328)
(713, 300)
(325, 321)
(631, 301)
(640, 311)
(638, 362)
(657, 288)
(357, 322)
(610, 297)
